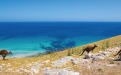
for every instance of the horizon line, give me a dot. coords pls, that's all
(57, 21)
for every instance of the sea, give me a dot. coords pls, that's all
(31, 38)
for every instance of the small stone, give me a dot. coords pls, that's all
(98, 57)
(88, 67)
(111, 65)
(35, 69)
(0, 68)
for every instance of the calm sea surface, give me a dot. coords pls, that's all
(26, 38)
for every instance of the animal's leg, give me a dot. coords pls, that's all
(83, 52)
(3, 55)
(88, 52)
(92, 50)
(118, 53)
(120, 56)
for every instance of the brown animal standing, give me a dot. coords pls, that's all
(4, 53)
(89, 48)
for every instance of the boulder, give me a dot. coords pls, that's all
(59, 72)
(62, 61)
(88, 67)
(86, 61)
(74, 61)
(106, 53)
(97, 57)
(88, 56)
(35, 69)
(111, 65)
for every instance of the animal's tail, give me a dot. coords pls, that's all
(83, 52)
(118, 53)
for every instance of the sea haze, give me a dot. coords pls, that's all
(26, 38)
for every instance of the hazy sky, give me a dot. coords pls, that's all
(60, 10)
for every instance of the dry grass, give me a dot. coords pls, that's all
(98, 70)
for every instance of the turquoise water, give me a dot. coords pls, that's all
(25, 39)
(25, 46)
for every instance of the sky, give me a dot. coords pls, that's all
(60, 10)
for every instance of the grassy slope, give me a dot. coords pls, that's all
(17, 62)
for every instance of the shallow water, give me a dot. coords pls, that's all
(25, 38)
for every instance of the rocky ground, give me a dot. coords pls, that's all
(100, 63)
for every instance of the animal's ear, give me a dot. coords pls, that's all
(10, 52)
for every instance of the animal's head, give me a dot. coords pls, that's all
(95, 45)
(10, 52)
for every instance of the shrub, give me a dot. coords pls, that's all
(72, 50)
(100, 70)
(107, 44)
(69, 52)
(103, 45)
(112, 62)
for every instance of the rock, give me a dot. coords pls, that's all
(111, 65)
(45, 62)
(110, 58)
(46, 68)
(21, 70)
(115, 49)
(0, 68)
(35, 63)
(8, 65)
(62, 61)
(9, 70)
(26, 71)
(85, 61)
(97, 57)
(35, 69)
(28, 65)
(16, 70)
(69, 68)
(106, 53)
(88, 67)
(100, 51)
(3, 64)
(59, 72)
(88, 56)
(66, 72)
(99, 54)
(75, 61)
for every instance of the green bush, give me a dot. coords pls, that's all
(72, 50)
(100, 70)
(103, 45)
(107, 44)
(112, 62)
(69, 52)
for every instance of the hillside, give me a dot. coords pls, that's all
(68, 62)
